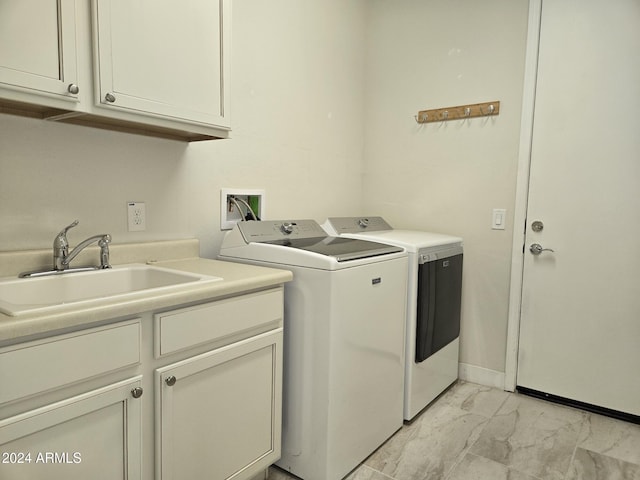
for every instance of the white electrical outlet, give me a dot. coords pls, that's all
(136, 216)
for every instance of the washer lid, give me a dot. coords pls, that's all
(341, 248)
(308, 235)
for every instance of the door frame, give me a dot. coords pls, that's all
(522, 193)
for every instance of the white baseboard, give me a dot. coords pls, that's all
(480, 375)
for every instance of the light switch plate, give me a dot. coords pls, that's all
(498, 219)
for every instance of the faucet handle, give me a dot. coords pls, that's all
(64, 231)
(60, 242)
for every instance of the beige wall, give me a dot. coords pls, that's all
(297, 100)
(447, 177)
(323, 98)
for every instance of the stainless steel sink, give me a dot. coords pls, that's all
(19, 296)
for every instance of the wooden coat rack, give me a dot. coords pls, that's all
(460, 112)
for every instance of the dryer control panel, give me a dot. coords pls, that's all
(358, 224)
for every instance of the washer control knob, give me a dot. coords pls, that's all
(287, 228)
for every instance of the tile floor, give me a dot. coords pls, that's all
(475, 433)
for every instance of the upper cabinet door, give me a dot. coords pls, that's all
(164, 58)
(38, 47)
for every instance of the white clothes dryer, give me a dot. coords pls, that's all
(343, 341)
(434, 292)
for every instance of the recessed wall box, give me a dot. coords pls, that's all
(235, 204)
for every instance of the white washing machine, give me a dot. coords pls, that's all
(434, 291)
(343, 341)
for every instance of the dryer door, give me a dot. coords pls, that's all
(439, 300)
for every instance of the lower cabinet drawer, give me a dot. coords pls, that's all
(187, 327)
(35, 367)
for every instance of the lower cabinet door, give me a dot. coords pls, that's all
(219, 413)
(95, 435)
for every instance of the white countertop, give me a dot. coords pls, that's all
(236, 279)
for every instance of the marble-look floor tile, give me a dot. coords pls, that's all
(475, 398)
(473, 467)
(476, 432)
(532, 436)
(365, 473)
(611, 437)
(589, 465)
(430, 446)
(361, 473)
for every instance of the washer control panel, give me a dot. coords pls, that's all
(270, 230)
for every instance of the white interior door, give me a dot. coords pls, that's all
(580, 317)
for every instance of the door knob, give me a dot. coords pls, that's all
(537, 226)
(537, 249)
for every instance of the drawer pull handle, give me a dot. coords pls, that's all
(109, 97)
(73, 88)
(137, 392)
(171, 381)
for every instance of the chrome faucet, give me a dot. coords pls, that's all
(61, 256)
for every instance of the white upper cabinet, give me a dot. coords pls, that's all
(163, 58)
(152, 67)
(38, 47)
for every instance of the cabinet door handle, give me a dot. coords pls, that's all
(137, 392)
(109, 97)
(171, 381)
(73, 88)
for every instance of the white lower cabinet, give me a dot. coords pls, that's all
(95, 435)
(219, 413)
(72, 405)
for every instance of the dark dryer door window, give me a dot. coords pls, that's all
(439, 298)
